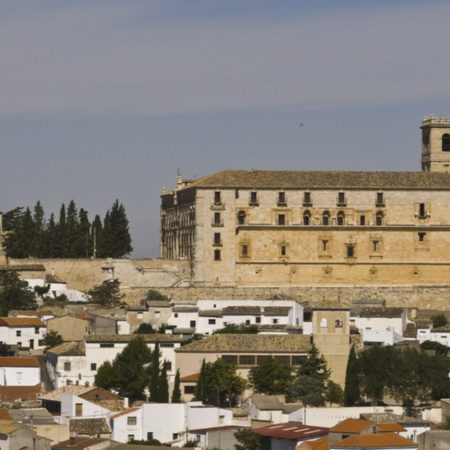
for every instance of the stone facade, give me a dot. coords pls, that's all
(291, 228)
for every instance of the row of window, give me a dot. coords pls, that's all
(256, 360)
(307, 198)
(350, 248)
(19, 332)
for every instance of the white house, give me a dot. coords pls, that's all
(25, 332)
(169, 423)
(19, 371)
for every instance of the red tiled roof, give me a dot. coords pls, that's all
(291, 430)
(18, 361)
(317, 444)
(21, 322)
(190, 378)
(390, 427)
(351, 426)
(379, 440)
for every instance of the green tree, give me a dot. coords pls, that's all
(437, 347)
(334, 394)
(84, 239)
(116, 235)
(439, 320)
(129, 372)
(107, 294)
(270, 377)
(153, 294)
(155, 373)
(40, 229)
(222, 386)
(200, 387)
(163, 385)
(52, 339)
(97, 237)
(145, 328)
(352, 392)
(176, 393)
(61, 234)
(247, 440)
(311, 382)
(14, 293)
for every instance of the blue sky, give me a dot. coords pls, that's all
(107, 99)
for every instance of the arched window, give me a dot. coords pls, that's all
(340, 218)
(241, 217)
(326, 218)
(446, 142)
(362, 220)
(379, 219)
(307, 218)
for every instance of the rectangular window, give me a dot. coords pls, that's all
(106, 345)
(274, 321)
(253, 198)
(217, 198)
(131, 420)
(247, 360)
(67, 366)
(284, 360)
(422, 210)
(211, 321)
(247, 322)
(175, 315)
(230, 359)
(307, 199)
(375, 245)
(217, 239)
(166, 345)
(281, 198)
(281, 219)
(341, 199)
(189, 389)
(192, 323)
(174, 435)
(217, 218)
(36, 330)
(380, 199)
(422, 237)
(93, 366)
(350, 251)
(244, 250)
(168, 365)
(257, 319)
(324, 245)
(157, 314)
(217, 255)
(79, 409)
(283, 250)
(130, 437)
(19, 333)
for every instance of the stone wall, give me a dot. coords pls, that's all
(423, 297)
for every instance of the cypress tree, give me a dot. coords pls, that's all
(176, 393)
(200, 387)
(352, 390)
(60, 235)
(163, 386)
(97, 237)
(72, 227)
(117, 239)
(39, 224)
(154, 374)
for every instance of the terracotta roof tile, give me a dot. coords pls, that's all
(125, 412)
(291, 430)
(21, 322)
(390, 428)
(125, 338)
(351, 426)
(380, 440)
(317, 444)
(18, 361)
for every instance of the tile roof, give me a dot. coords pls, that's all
(291, 430)
(193, 378)
(382, 312)
(21, 322)
(55, 395)
(380, 440)
(90, 426)
(317, 444)
(210, 313)
(351, 426)
(125, 338)
(125, 412)
(31, 312)
(40, 416)
(80, 443)
(390, 428)
(259, 343)
(181, 308)
(4, 414)
(295, 179)
(73, 348)
(49, 278)
(272, 402)
(23, 268)
(280, 310)
(18, 361)
(6, 429)
(225, 427)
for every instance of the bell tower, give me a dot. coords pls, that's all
(436, 144)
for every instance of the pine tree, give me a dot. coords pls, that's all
(26, 235)
(50, 247)
(176, 393)
(117, 239)
(352, 391)
(154, 374)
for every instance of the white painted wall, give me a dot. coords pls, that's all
(22, 335)
(89, 409)
(20, 376)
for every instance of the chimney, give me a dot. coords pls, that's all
(125, 402)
